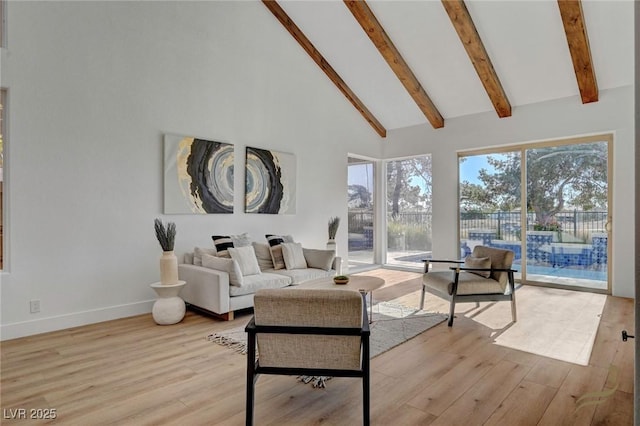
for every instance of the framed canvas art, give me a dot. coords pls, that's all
(270, 182)
(198, 176)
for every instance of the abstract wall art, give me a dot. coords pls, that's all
(270, 182)
(198, 176)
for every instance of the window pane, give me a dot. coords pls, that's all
(409, 211)
(360, 202)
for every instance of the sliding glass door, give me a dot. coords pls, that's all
(360, 202)
(557, 224)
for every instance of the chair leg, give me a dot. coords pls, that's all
(251, 378)
(424, 289)
(451, 310)
(514, 315)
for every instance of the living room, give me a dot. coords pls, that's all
(93, 87)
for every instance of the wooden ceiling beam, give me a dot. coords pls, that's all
(387, 49)
(299, 36)
(576, 31)
(466, 29)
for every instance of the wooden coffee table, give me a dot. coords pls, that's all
(361, 283)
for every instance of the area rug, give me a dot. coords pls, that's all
(392, 325)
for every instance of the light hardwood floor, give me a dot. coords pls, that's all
(131, 371)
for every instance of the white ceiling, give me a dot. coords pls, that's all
(524, 39)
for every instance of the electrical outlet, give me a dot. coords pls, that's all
(34, 306)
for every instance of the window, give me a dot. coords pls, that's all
(548, 203)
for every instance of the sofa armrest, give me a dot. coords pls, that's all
(206, 288)
(337, 265)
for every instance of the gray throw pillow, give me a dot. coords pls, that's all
(263, 254)
(319, 259)
(478, 262)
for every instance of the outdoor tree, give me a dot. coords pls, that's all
(409, 185)
(569, 176)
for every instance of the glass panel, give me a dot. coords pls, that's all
(568, 209)
(360, 212)
(409, 211)
(490, 212)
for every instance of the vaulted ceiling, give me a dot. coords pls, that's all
(404, 63)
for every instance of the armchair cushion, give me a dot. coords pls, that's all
(478, 262)
(500, 259)
(309, 308)
(468, 283)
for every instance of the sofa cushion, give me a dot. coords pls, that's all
(478, 262)
(293, 256)
(276, 257)
(246, 258)
(222, 243)
(321, 259)
(253, 283)
(263, 254)
(300, 276)
(223, 264)
(199, 251)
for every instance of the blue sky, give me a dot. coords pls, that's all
(471, 166)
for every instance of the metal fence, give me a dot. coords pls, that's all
(579, 225)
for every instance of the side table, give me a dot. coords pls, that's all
(169, 308)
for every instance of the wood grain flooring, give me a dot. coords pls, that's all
(133, 372)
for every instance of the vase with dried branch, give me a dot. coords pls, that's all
(166, 236)
(334, 223)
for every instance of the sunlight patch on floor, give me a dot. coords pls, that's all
(555, 323)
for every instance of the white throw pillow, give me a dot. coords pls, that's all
(241, 240)
(293, 256)
(198, 252)
(224, 264)
(246, 258)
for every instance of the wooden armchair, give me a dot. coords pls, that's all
(315, 332)
(485, 275)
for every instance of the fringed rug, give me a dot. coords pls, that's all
(392, 325)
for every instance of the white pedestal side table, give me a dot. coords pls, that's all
(169, 308)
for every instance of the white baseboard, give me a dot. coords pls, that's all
(61, 322)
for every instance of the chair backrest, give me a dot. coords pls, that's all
(500, 259)
(308, 308)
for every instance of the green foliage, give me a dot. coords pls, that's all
(409, 185)
(166, 235)
(402, 236)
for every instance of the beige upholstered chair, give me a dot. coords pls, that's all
(315, 332)
(485, 275)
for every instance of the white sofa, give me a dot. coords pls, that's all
(211, 290)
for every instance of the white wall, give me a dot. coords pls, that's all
(92, 88)
(614, 112)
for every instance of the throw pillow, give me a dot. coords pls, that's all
(198, 252)
(320, 259)
(222, 243)
(246, 258)
(229, 266)
(274, 240)
(241, 240)
(293, 256)
(276, 257)
(263, 254)
(478, 262)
